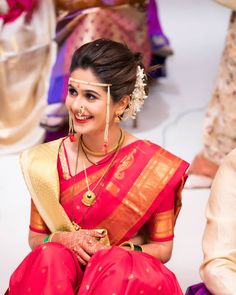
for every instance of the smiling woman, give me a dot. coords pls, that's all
(104, 203)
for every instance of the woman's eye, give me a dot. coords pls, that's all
(72, 92)
(90, 96)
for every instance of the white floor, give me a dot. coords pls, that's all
(172, 117)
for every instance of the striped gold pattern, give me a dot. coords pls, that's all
(142, 194)
(161, 225)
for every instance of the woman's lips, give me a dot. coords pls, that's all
(82, 119)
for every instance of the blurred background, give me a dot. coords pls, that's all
(172, 117)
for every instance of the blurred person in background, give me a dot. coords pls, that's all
(26, 57)
(160, 44)
(219, 134)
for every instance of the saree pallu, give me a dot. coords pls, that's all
(125, 24)
(25, 64)
(52, 269)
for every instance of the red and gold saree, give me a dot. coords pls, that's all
(141, 191)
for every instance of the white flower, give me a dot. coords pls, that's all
(137, 97)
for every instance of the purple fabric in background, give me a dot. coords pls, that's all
(154, 26)
(155, 32)
(198, 289)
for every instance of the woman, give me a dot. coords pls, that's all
(104, 202)
(81, 22)
(219, 134)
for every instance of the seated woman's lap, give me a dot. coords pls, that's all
(53, 269)
(49, 269)
(117, 271)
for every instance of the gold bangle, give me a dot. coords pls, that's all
(129, 244)
(51, 236)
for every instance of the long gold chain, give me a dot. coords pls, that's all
(89, 196)
(88, 204)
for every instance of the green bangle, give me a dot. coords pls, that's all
(138, 248)
(46, 239)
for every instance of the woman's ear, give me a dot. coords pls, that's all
(123, 103)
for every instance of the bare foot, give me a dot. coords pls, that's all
(201, 173)
(203, 166)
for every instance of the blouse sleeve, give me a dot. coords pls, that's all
(36, 222)
(160, 226)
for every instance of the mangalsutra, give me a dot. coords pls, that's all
(89, 196)
(75, 225)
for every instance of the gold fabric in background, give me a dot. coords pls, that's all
(26, 57)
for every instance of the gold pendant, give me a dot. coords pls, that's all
(88, 198)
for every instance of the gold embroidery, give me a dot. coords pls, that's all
(161, 225)
(39, 167)
(63, 161)
(125, 163)
(141, 195)
(112, 188)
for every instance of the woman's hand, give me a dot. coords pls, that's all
(84, 243)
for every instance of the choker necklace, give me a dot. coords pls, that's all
(101, 154)
(120, 142)
(89, 196)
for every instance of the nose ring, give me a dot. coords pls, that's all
(81, 110)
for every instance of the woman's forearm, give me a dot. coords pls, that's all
(36, 239)
(161, 251)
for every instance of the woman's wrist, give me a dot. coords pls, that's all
(138, 248)
(49, 238)
(132, 246)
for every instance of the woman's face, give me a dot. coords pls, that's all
(92, 99)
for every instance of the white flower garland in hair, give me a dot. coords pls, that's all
(137, 97)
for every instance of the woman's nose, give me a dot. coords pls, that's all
(77, 104)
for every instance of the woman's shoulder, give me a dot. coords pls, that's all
(47, 146)
(45, 152)
(159, 150)
(149, 147)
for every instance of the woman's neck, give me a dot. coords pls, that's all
(95, 141)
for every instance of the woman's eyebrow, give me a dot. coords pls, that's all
(70, 85)
(85, 90)
(91, 91)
